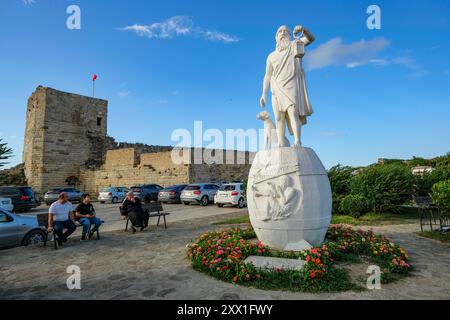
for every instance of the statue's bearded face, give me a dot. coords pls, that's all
(283, 38)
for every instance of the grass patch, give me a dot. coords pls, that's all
(405, 216)
(377, 219)
(237, 220)
(435, 235)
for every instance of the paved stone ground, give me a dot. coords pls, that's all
(153, 265)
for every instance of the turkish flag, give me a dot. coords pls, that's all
(94, 77)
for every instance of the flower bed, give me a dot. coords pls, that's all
(222, 255)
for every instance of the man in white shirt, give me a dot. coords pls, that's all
(61, 217)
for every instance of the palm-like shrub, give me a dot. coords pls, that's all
(340, 185)
(384, 186)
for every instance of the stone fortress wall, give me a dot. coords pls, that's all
(66, 143)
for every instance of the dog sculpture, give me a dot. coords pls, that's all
(270, 132)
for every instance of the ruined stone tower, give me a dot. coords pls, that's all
(64, 132)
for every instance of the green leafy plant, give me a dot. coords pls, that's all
(5, 153)
(340, 177)
(355, 205)
(441, 195)
(384, 186)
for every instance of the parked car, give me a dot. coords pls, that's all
(19, 230)
(112, 194)
(6, 204)
(171, 194)
(52, 195)
(147, 192)
(23, 198)
(230, 194)
(202, 193)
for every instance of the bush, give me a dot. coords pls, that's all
(355, 205)
(384, 186)
(441, 195)
(340, 177)
(424, 183)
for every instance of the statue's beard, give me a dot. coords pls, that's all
(283, 43)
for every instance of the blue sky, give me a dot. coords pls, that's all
(376, 93)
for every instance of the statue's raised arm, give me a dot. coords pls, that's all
(307, 37)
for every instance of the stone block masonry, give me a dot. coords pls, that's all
(66, 143)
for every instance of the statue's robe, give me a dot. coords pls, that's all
(288, 85)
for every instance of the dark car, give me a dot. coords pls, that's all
(147, 192)
(23, 198)
(171, 194)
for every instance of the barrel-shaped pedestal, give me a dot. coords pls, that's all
(289, 197)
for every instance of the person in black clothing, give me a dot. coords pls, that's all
(85, 213)
(132, 208)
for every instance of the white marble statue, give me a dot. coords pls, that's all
(285, 77)
(288, 194)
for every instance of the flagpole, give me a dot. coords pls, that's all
(93, 88)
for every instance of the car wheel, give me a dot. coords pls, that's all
(115, 200)
(220, 205)
(102, 202)
(186, 203)
(34, 238)
(204, 201)
(241, 203)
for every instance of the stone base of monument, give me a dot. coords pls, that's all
(289, 198)
(270, 264)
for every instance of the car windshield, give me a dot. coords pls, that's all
(105, 190)
(190, 188)
(54, 191)
(27, 192)
(8, 191)
(136, 189)
(228, 188)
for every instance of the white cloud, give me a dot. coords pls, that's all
(409, 63)
(178, 26)
(28, 2)
(123, 93)
(355, 54)
(332, 134)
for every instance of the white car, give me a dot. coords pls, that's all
(230, 194)
(6, 204)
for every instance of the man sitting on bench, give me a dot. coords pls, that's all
(85, 212)
(61, 217)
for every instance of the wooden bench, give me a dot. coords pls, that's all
(43, 222)
(154, 209)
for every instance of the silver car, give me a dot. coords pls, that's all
(52, 195)
(112, 194)
(19, 230)
(202, 193)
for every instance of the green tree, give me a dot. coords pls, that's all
(441, 195)
(384, 186)
(5, 153)
(340, 177)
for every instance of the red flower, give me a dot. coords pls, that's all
(312, 274)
